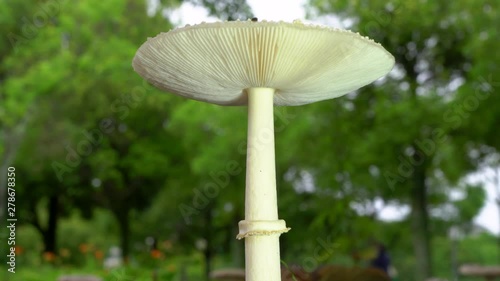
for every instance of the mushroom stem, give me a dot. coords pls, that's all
(261, 201)
(261, 227)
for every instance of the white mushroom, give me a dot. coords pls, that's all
(261, 64)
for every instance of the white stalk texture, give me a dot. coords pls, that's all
(261, 228)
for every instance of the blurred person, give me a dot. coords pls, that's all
(382, 260)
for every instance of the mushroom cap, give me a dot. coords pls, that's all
(216, 62)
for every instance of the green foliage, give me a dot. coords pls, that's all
(226, 9)
(414, 133)
(469, 207)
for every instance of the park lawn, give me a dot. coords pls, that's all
(51, 273)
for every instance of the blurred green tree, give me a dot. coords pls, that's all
(405, 141)
(95, 132)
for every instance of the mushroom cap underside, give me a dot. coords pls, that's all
(216, 62)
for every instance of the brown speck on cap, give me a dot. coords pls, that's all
(254, 19)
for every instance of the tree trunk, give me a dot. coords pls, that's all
(497, 182)
(419, 224)
(208, 261)
(50, 234)
(207, 252)
(124, 224)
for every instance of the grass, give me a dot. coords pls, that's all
(126, 273)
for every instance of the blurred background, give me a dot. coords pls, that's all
(118, 180)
